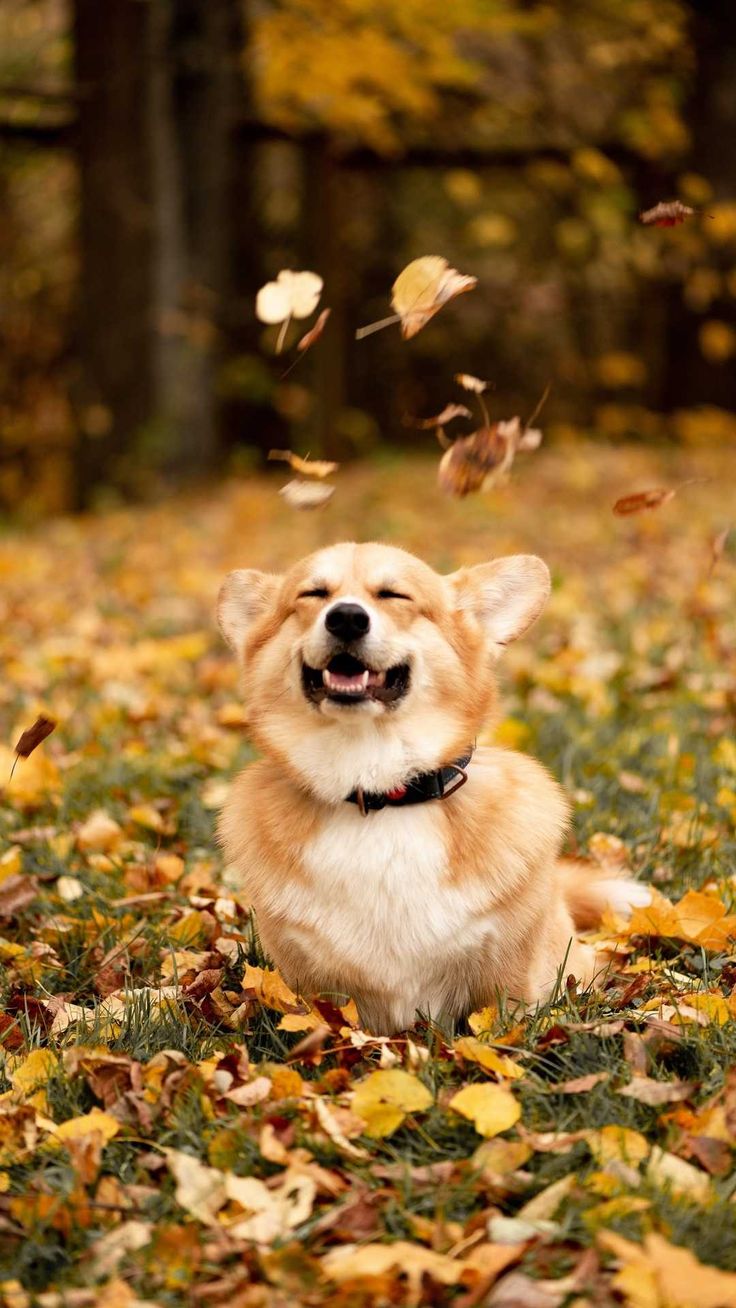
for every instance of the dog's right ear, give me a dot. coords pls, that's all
(244, 595)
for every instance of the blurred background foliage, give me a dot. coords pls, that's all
(161, 159)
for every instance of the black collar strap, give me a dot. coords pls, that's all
(428, 785)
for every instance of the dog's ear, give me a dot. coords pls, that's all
(505, 596)
(244, 596)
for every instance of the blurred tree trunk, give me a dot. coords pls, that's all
(690, 378)
(158, 87)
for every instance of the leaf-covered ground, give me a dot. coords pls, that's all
(175, 1126)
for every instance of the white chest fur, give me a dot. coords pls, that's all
(379, 902)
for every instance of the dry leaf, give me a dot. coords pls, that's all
(309, 338)
(659, 1273)
(449, 412)
(642, 500)
(419, 292)
(292, 295)
(668, 213)
(491, 1108)
(647, 1091)
(579, 1084)
(34, 735)
(306, 494)
(717, 547)
(199, 1189)
(306, 467)
(475, 1051)
(385, 1097)
(471, 383)
(351, 1262)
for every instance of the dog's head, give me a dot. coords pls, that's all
(365, 644)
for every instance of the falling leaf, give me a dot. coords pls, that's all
(717, 548)
(385, 1097)
(292, 295)
(471, 383)
(481, 460)
(306, 494)
(668, 213)
(642, 500)
(419, 292)
(33, 736)
(491, 1108)
(306, 467)
(449, 412)
(309, 338)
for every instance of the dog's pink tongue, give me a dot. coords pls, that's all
(354, 684)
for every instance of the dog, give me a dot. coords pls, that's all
(386, 857)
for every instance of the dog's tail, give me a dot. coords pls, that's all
(589, 891)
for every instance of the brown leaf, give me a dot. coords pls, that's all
(476, 462)
(714, 1155)
(642, 500)
(653, 1093)
(309, 338)
(449, 412)
(717, 547)
(33, 736)
(668, 213)
(305, 467)
(16, 893)
(579, 1084)
(306, 494)
(635, 1053)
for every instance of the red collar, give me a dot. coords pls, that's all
(417, 790)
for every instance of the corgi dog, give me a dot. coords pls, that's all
(386, 857)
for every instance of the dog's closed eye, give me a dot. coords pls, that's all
(386, 594)
(319, 592)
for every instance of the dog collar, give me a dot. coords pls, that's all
(419, 789)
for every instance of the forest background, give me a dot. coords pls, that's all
(160, 161)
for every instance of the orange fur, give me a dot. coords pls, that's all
(435, 907)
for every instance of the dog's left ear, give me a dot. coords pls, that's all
(244, 595)
(505, 596)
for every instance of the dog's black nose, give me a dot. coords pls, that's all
(347, 621)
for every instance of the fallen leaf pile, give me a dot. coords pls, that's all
(176, 1125)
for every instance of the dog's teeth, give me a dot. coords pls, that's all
(376, 678)
(365, 677)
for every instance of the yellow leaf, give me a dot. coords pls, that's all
(11, 862)
(670, 1172)
(34, 1071)
(484, 1020)
(411, 1260)
(478, 1052)
(658, 1274)
(496, 1157)
(385, 1097)
(299, 1022)
(100, 833)
(422, 288)
(95, 1121)
(491, 1108)
(271, 988)
(617, 1144)
(147, 816)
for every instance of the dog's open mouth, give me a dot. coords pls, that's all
(347, 680)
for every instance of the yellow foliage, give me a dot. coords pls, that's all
(717, 340)
(491, 1108)
(385, 1097)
